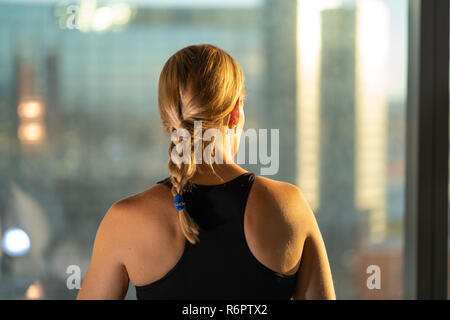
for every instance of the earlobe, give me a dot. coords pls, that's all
(234, 115)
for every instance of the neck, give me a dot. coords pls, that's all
(219, 173)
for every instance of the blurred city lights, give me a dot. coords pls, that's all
(31, 132)
(121, 13)
(31, 128)
(34, 291)
(31, 109)
(16, 242)
(102, 19)
(87, 16)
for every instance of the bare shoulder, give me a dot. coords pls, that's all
(141, 218)
(278, 220)
(283, 202)
(148, 205)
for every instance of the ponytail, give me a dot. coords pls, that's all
(179, 177)
(199, 82)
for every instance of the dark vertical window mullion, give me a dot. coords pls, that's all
(441, 114)
(427, 151)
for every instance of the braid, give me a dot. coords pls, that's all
(197, 83)
(179, 177)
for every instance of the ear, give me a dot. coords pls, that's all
(234, 115)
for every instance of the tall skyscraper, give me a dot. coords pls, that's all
(337, 140)
(281, 81)
(342, 124)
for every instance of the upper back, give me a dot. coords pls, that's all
(251, 237)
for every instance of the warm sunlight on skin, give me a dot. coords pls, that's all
(142, 237)
(108, 276)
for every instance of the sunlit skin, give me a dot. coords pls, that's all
(140, 240)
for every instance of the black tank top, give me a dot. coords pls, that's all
(220, 265)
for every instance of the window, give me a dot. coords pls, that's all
(351, 120)
(80, 129)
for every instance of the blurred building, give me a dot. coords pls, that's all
(344, 158)
(337, 142)
(94, 95)
(96, 136)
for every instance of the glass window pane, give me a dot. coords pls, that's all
(351, 121)
(80, 129)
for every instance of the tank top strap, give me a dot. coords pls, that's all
(245, 185)
(212, 205)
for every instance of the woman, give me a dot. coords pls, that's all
(209, 231)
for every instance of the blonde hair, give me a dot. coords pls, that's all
(197, 83)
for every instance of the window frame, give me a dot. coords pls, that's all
(427, 151)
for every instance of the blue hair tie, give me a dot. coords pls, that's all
(179, 203)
